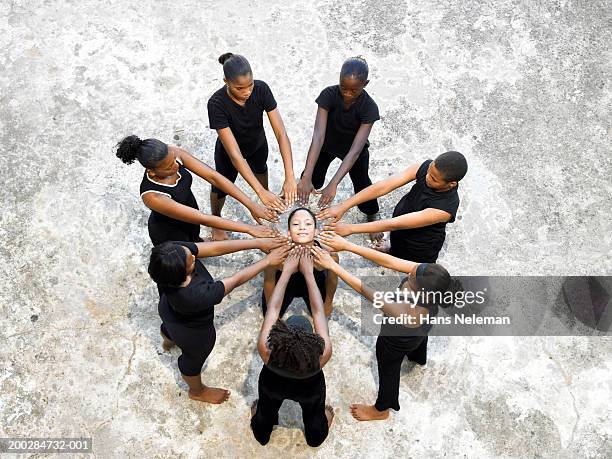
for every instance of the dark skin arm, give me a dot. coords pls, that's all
(275, 303)
(338, 243)
(217, 248)
(331, 284)
(305, 187)
(202, 170)
(390, 309)
(376, 190)
(230, 145)
(418, 219)
(246, 274)
(170, 208)
(289, 191)
(329, 192)
(316, 305)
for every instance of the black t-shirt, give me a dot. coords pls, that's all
(246, 122)
(343, 124)
(402, 338)
(194, 305)
(423, 244)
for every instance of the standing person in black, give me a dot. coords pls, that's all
(235, 111)
(166, 190)
(189, 295)
(343, 123)
(302, 230)
(395, 341)
(418, 226)
(293, 358)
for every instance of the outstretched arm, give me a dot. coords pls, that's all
(246, 274)
(170, 208)
(318, 317)
(338, 243)
(418, 219)
(374, 191)
(289, 186)
(216, 248)
(305, 187)
(391, 309)
(272, 314)
(213, 177)
(329, 192)
(230, 144)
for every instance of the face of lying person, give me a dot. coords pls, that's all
(302, 227)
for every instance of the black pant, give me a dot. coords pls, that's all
(389, 359)
(196, 344)
(309, 393)
(358, 174)
(257, 161)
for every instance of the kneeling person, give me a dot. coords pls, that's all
(293, 358)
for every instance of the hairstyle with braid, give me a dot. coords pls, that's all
(293, 349)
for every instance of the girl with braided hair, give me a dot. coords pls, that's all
(294, 357)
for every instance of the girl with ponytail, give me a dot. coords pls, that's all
(235, 111)
(166, 190)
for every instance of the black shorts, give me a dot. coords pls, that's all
(258, 162)
(195, 343)
(399, 249)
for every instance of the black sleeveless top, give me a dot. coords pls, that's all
(161, 227)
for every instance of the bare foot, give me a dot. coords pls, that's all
(219, 235)
(329, 414)
(214, 395)
(167, 344)
(368, 413)
(382, 246)
(376, 237)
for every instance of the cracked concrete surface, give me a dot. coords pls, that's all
(521, 87)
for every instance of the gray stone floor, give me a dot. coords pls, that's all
(521, 87)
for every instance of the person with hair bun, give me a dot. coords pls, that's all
(344, 120)
(189, 296)
(166, 190)
(235, 111)
(294, 356)
(395, 341)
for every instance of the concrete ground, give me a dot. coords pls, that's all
(522, 88)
